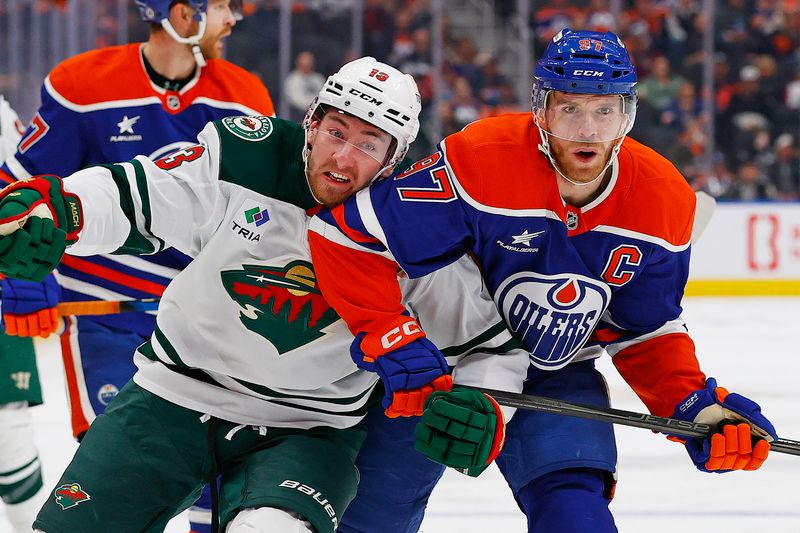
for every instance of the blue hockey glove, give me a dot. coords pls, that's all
(409, 365)
(741, 437)
(29, 307)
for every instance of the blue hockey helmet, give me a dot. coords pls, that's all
(157, 10)
(586, 62)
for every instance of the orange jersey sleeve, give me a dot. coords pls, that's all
(662, 371)
(368, 303)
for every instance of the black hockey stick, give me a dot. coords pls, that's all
(617, 416)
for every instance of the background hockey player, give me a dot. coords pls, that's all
(109, 105)
(247, 373)
(20, 469)
(583, 240)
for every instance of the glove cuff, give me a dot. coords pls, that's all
(401, 331)
(69, 211)
(499, 431)
(46, 198)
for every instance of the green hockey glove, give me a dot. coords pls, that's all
(463, 429)
(38, 220)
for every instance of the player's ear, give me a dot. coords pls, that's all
(312, 133)
(181, 17)
(386, 173)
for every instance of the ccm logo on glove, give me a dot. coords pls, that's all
(397, 334)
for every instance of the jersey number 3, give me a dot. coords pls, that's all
(176, 159)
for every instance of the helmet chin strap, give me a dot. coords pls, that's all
(193, 41)
(306, 154)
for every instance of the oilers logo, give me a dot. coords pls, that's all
(553, 316)
(107, 393)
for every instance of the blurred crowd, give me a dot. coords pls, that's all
(756, 72)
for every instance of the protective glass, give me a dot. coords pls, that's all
(585, 118)
(220, 9)
(363, 148)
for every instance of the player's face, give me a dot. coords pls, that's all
(583, 130)
(346, 153)
(220, 20)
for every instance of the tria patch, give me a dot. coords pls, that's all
(70, 495)
(249, 222)
(248, 128)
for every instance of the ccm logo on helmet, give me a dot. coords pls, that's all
(369, 98)
(590, 73)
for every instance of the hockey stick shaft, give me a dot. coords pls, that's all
(101, 307)
(662, 424)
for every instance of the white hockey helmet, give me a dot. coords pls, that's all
(376, 93)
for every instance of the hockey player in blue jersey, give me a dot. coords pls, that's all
(109, 105)
(583, 239)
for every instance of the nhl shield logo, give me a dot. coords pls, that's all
(572, 220)
(70, 495)
(173, 102)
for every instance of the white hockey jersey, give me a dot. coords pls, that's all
(243, 333)
(11, 130)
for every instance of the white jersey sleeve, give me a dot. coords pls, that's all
(10, 130)
(145, 206)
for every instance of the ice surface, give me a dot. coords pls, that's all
(748, 344)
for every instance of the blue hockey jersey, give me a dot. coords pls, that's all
(571, 283)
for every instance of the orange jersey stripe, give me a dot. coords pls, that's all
(352, 234)
(78, 419)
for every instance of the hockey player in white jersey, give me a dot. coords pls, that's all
(246, 351)
(20, 469)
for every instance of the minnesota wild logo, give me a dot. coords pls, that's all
(248, 128)
(70, 495)
(283, 305)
